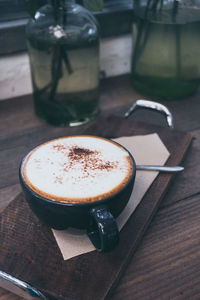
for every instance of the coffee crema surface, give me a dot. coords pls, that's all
(77, 169)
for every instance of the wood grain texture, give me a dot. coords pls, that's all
(8, 296)
(159, 261)
(187, 183)
(8, 194)
(26, 243)
(166, 265)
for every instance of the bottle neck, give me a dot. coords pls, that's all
(70, 1)
(60, 10)
(61, 3)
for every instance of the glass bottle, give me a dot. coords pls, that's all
(63, 47)
(166, 46)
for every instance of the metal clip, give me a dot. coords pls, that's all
(19, 287)
(152, 106)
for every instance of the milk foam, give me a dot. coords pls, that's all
(77, 169)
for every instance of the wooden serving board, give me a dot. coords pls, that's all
(29, 250)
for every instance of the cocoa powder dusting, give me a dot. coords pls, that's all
(90, 160)
(59, 147)
(37, 162)
(87, 160)
(76, 153)
(107, 166)
(81, 151)
(58, 180)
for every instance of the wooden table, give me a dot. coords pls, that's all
(166, 264)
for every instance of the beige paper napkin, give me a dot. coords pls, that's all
(146, 149)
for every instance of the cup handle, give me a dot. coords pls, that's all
(102, 230)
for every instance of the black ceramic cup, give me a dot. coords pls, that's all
(97, 217)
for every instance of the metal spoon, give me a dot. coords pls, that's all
(160, 168)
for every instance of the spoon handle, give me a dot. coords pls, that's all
(160, 168)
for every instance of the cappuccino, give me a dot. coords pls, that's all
(77, 169)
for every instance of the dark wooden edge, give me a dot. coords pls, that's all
(163, 179)
(144, 205)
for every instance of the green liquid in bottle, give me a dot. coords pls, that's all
(166, 60)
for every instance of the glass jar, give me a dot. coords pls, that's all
(166, 46)
(63, 47)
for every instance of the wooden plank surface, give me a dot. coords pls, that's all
(166, 265)
(30, 244)
(151, 266)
